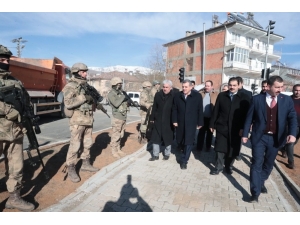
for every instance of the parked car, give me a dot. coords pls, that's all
(135, 96)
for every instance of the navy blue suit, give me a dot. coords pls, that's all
(264, 146)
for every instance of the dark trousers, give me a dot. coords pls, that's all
(201, 135)
(289, 148)
(185, 155)
(263, 156)
(223, 159)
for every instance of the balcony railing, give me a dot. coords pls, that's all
(253, 46)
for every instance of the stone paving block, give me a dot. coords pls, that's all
(154, 203)
(155, 209)
(261, 208)
(209, 208)
(281, 208)
(171, 207)
(185, 209)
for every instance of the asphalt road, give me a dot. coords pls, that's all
(55, 129)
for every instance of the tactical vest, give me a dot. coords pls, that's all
(11, 92)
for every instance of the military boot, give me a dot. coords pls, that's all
(86, 166)
(115, 153)
(72, 174)
(121, 153)
(16, 202)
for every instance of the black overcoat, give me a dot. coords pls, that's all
(188, 114)
(163, 130)
(228, 119)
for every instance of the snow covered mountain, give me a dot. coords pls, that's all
(129, 69)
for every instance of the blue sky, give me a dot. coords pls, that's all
(125, 34)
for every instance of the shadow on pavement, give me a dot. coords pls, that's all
(129, 200)
(40, 181)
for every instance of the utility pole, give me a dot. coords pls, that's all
(270, 27)
(19, 47)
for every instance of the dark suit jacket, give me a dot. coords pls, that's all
(286, 118)
(249, 93)
(188, 113)
(228, 119)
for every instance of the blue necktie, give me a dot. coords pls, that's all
(231, 96)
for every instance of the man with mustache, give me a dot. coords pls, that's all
(274, 124)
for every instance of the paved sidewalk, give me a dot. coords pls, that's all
(134, 184)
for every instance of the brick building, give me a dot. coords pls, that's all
(236, 47)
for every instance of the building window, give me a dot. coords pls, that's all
(236, 37)
(249, 42)
(238, 55)
(264, 46)
(246, 81)
(190, 49)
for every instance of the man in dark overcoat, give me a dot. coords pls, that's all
(187, 116)
(163, 130)
(228, 120)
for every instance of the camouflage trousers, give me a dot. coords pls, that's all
(143, 127)
(14, 161)
(118, 128)
(79, 135)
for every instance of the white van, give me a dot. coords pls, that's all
(135, 96)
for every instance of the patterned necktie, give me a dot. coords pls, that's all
(273, 102)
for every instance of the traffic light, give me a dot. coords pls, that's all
(262, 73)
(254, 88)
(269, 71)
(271, 27)
(181, 74)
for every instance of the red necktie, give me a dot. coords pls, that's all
(273, 102)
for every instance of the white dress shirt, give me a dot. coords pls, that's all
(269, 99)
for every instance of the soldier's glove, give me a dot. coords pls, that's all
(89, 99)
(100, 107)
(13, 115)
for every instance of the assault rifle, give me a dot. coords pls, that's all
(90, 90)
(12, 95)
(130, 100)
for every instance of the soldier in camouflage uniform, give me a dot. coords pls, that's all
(119, 104)
(156, 88)
(146, 102)
(79, 107)
(12, 133)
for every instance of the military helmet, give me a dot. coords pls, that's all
(116, 80)
(5, 52)
(79, 67)
(156, 82)
(146, 84)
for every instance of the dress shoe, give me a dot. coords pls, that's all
(216, 171)
(254, 199)
(263, 189)
(229, 170)
(291, 165)
(166, 157)
(183, 166)
(153, 158)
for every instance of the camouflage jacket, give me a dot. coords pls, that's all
(74, 99)
(12, 130)
(146, 100)
(153, 91)
(118, 105)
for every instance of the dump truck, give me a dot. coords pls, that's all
(44, 80)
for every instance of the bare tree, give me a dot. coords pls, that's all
(156, 61)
